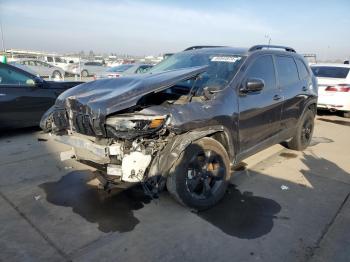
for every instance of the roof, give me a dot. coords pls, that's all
(220, 50)
(332, 65)
(241, 51)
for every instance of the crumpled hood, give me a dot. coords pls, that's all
(104, 97)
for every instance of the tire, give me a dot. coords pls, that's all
(346, 114)
(84, 73)
(189, 183)
(56, 74)
(303, 135)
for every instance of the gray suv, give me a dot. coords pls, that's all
(186, 122)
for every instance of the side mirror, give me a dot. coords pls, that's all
(39, 82)
(252, 85)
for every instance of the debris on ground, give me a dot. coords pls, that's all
(42, 139)
(37, 197)
(68, 167)
(284, 187)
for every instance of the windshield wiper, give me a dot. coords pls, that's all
(193, 89)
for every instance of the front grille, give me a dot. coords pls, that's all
(81, 123)
(60, 119)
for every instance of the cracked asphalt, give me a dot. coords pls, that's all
(282, 206)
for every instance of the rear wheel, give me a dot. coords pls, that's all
(200, 176)
(84, 73)
(56, 74)
(303, 134)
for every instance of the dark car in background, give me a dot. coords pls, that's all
(187, 121)
(25, 97)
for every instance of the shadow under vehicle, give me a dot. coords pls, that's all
(24, 97)
(186, 122)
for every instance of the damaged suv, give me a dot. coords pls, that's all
(188, 121)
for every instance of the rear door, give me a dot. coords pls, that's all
(44, 68)
(294, 90)
(260, 112)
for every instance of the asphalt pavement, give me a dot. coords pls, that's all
(282, 205)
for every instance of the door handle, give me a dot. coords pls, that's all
(304, 88)
(277, 97)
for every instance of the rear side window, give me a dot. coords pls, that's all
(287, 70)
(263, 68)
(303, 72)
(49, 59)
(330, 71)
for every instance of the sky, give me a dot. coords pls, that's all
(154, 26)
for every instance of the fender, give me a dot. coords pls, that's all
(165, 158)
(307, 105)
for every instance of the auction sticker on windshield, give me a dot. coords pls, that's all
(227, 59)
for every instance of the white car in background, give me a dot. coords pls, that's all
(124, 70)
(40, 68)
(333, 87)
(56, 61)
(86, 69)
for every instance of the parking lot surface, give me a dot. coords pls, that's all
(282, 206)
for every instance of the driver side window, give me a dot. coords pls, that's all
(8, 76)
(263, 68)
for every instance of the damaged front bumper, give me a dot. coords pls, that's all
(122, 165)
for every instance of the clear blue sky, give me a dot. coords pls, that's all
(153, 27)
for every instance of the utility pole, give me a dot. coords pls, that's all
(269, 37)
(2, 36)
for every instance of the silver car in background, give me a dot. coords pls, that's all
(41, 68)
(86, 68)
(123, 70)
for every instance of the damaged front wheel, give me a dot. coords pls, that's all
(200, 176)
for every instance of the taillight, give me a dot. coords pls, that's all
(338, 88)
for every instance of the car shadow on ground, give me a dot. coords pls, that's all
(112, 211)
(8, 133)
(239, 214)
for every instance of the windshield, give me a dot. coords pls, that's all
(330, 71)
(120, 68)
(220, 66)
(221, 69)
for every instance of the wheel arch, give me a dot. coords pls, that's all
(309, 105)
(165, 159)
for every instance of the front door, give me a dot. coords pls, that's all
(260, 111)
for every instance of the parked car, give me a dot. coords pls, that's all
(57, 61)
(123, 70)
(86, 68)
(333, 86)
(189, 119)
(24, 97)
(41, 68)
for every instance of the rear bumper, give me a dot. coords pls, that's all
(336, 101)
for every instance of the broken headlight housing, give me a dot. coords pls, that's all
(133, 125)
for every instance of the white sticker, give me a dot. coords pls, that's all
(227, 59)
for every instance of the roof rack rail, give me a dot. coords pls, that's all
(201, 46)
(259, 47)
